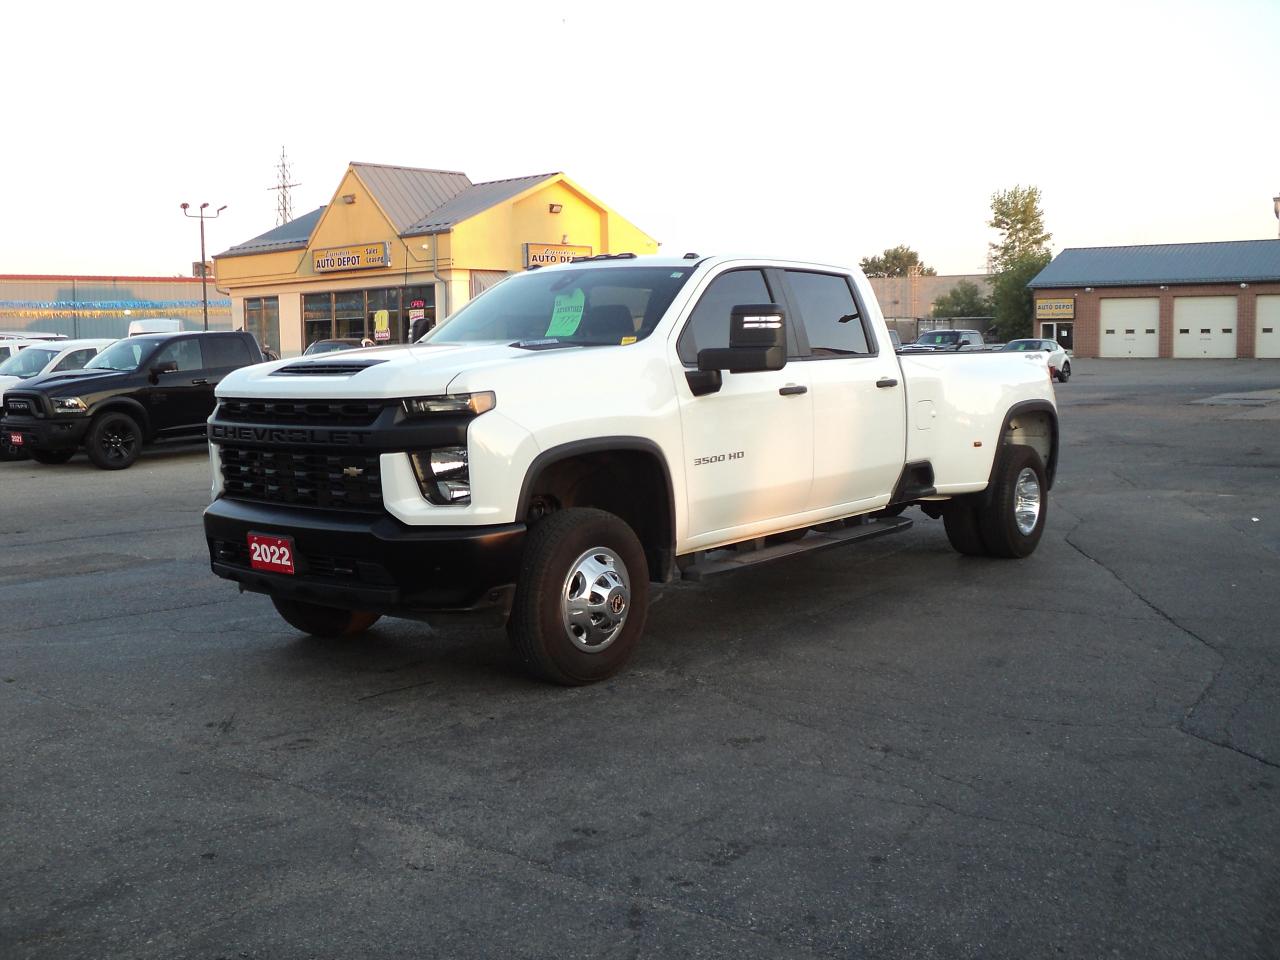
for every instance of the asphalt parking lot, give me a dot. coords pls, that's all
(886, 750)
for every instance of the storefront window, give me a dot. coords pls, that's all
(355, 313)
(419, 303)
(262, 319)
(317, 317)
(348, 314)
(382, 308)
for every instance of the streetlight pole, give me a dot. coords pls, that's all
(204, 274)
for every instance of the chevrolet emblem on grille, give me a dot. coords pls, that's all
(352, 471)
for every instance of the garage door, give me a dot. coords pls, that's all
(1204, 327)
(1130, 327)
(1268, 342)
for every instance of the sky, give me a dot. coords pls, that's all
(825, 131)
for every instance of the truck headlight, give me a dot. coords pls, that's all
(472, 403)
(69, 405)
(443, 475)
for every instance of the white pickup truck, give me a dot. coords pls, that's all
(580, 431)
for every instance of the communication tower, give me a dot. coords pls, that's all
(284, 206)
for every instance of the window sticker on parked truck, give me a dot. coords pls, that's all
(567, 314)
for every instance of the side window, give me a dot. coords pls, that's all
(224, 353)
(830, 314)
(708, 325)
(185, 352)
(76, 359)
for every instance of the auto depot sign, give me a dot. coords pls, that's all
(1059, 309)
(549, 254)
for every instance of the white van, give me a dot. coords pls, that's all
(154, 325)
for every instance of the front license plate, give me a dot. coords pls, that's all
(15, 439)
(271, 553)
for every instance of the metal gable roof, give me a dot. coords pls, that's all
(475, 199)
(1232, 261)
(289, 236)
(407, 194)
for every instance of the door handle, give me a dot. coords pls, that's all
(887, 382)
(199, 383)
(792, 390)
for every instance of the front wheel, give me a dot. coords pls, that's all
(321, 621)
(582, 597)
(52, 456)
(1065, 373)
(114, 441)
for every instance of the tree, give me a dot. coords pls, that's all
(1017, 215)
(1020, 254)
(894, 262)
(965, 299)
(1010, 298)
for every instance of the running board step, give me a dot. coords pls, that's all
(708, 563)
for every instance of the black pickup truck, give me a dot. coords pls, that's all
(136, 391)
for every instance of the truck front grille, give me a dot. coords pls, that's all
(312, 413)
(299, 477)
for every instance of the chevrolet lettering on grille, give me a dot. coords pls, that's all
(353, 438)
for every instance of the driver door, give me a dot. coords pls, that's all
(748, 447)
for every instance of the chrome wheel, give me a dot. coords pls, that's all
(1026, 501)
(596, 599)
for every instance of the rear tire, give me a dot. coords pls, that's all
(581, 599)
(321, 621)
(961, 520)
(52, 456)
(1012, 521)
(114, 441)
(1065, 373)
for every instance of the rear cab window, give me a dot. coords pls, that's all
(832, 321)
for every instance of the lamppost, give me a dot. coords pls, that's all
(204, 274)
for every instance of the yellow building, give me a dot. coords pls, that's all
(399, 243)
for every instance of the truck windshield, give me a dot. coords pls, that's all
(121, 355)
(586, 307)
(27, 363)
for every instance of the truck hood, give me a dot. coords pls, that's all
(68, 382)
(414, 370)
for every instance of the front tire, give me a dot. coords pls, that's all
(1065, 373)
(581, 599)
(321, 621)
(114, 441)
(52, 456)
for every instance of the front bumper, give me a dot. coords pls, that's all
(43, 433)
(362, 561)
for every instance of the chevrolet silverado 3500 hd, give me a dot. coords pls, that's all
(580, 431)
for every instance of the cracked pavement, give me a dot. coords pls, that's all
(880, 750)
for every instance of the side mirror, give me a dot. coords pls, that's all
(169, 366)
(757, 341)
(965, 343)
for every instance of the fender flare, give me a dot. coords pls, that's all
(125, 405)
(1031, 406)
(574, 448)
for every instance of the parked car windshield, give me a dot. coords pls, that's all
(1023, 345)
(586, 307)
(27, 363)
(938, 339)
(328, 346)
(121, 355)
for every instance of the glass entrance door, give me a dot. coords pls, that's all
(348, 314)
